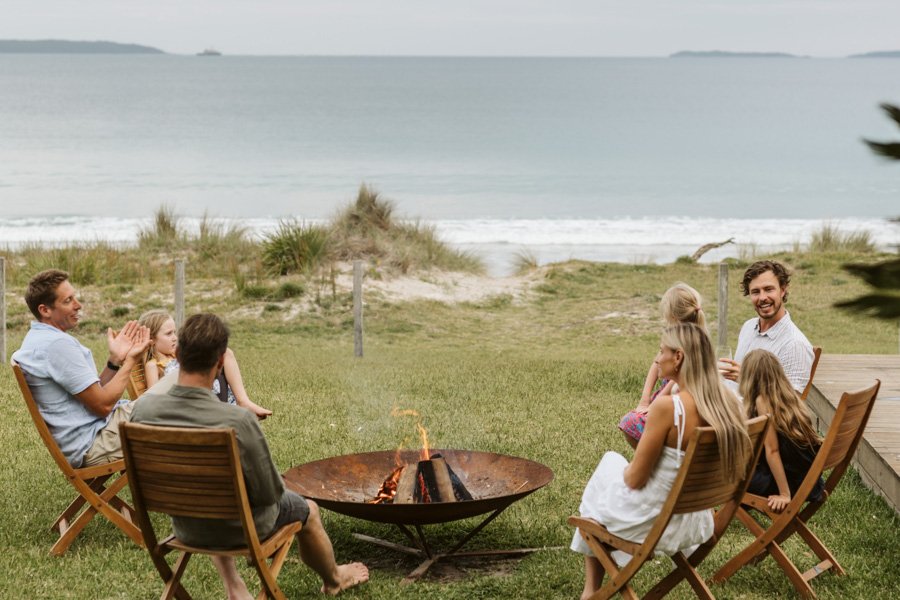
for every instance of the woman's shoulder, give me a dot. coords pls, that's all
(664, 405)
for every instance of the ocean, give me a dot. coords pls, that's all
(630, 160)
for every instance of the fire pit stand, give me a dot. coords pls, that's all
(346, 484)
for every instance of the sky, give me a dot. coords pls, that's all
(823, 28)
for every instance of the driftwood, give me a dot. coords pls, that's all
(707, 247)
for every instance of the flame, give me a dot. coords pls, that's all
(388, 489)
(426, 454)
(404, 412)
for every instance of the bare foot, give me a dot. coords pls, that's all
(348, 576)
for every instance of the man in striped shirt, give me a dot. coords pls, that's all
(766, 283)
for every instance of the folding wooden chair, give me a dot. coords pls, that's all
(835, 453)
(697, 486)
(193, 472)
(90, 482)
(817, 353)
(137, 380)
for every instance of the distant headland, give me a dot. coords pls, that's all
(723, 54)
(882, 54)
(70, 47)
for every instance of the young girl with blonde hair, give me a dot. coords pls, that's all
(161, 360)
(680, 304)
(628, 497)
(791, 444)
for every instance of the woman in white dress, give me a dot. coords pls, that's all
(627, 497)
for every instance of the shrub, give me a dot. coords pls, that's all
(295, 247)
(831, 239)
(288, 290)
(162, 232)
(215, 239)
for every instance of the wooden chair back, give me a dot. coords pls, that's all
(835, 453)
(193, 472)
(847, 428)
(90, 483)
(817, 353)
(699, 484)
(137, 380)
(178, 470)
(702, 485)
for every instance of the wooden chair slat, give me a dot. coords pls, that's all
(817, 353)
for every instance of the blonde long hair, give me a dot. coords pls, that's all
(763, 376)
(154, 320)
(716, 404)
(682, 304)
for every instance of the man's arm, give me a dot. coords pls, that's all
(101, 398)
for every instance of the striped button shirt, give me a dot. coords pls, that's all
(784, 340)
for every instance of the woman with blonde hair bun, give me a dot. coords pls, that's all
(680, 304)
(628, 497)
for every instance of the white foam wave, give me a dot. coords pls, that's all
(497, 241)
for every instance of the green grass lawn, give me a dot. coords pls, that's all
(544, 377)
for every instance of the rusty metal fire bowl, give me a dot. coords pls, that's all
(346, 484)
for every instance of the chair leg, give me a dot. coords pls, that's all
(821, 550)
(124, 523)
(800, 584)
(618, 578)
(268, 572)
(173, 587)
(755, 549)
(688, 572)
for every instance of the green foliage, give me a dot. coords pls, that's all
(215, 240)
(295, 248)
(889, 150)
(367, 230)
(883, 276)
(87, 264)
(831, 239)
(120, 311)
(684, 259)
(289, 290)
(163, 232)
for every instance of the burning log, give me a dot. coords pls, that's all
(423, 482)
(406, 486)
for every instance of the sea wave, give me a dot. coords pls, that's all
(499, 241)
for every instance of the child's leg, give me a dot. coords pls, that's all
(236, 383)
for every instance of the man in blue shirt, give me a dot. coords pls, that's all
(81, 408)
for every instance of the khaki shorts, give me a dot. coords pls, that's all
(107, 446)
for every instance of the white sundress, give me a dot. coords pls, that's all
(630, 513)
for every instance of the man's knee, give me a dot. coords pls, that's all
(313, 512)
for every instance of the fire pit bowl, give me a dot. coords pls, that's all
(346, 484)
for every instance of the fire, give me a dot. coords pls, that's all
(388, 489)
(426, 453)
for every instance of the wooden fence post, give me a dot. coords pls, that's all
(357, 308)
(3, 308)
(723, 306)
(179, 292)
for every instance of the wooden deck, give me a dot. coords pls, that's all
(878, 456)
